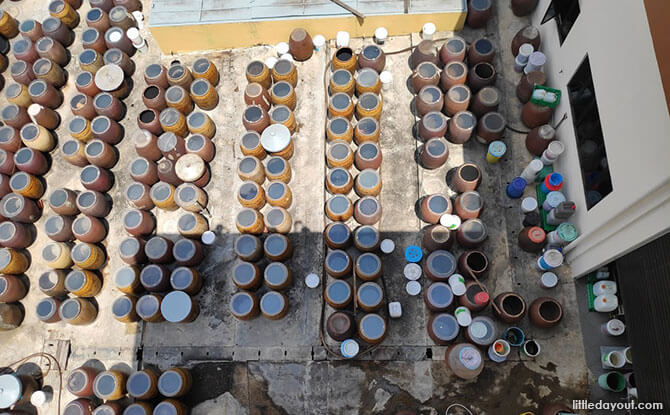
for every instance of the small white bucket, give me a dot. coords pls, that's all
(614, 359)
(342, 39)
(386, 78)
(281, 48)
(614, 327)
(428, 31)
(380, 35)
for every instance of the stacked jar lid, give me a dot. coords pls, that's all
(265, 195)
(455, 96)
(28, 134)
(353, 185)
(151, 391)
(160, 278)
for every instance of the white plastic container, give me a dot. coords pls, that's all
(520, 63)
(208, 237)
(614, 359)
(380, 35)
(342, 39)
(137, 40)
(554, 198)
(463, 316)
(499, 351)
(525, 51)
(139, 18)
(452, 222)
(531, 170)
(281, 48)
(604, 287)
(552, 258)
(553, 151)
(270, 62)
(606, 303)
(386, 79)
(528, 204)
(536, 62)
(614, 327)
(319, 42)
(287, 56)
(395, 309)
(549, 280)
(428, 31)
(312, 280)
(602, 274)
(457, 284)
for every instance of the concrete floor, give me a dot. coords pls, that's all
(281, 367)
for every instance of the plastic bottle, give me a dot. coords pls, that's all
(561, 213)
(463, 316)
(457, 284)
(606, 303)
(604, 287)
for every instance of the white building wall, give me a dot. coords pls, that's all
(635, 122)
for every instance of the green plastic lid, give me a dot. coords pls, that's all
(567, 231)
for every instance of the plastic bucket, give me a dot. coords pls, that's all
(614, 359)
(531, 348)
(495, 152)
(612, 381)
(516, 187)
(614, 327)
(551, 259)
(514, 336)
(499, 351)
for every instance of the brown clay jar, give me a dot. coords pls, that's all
(82, 105)
(64, 202)
(490, 127)
(472, 233)
(15, 116)
(461, 127)
(85, 83)
(511, 307)
(371, 56)
(22, 72)
(131, 251)
(456, 99)
(98, 18)
(31, 29)
(11, 289)
(148, 120)
(300, 45)
(159, 250)
(468, 205)
(93, 203)
(479, 12)
(524, 88)
(340, 325)
(24, 50)
(532, 239)
(528, 34)
(426, 73)
(367, 210)
(437, 237)
(467, 300)
(96, 178)
(73, 153)
(79, 381)
(425, 52)
(144, 171)
(481, 75)
(434, 153)
(138, 222)
(155, 278)
(255, 118)
(156, 74)
(454, 73)
(538, 139)
(108, 105)
(368, 156)
(453, 50)
(433, 124)
(534, 115)
(89, 229)
(15, 235)
(59, 228)
(429, 99)
(545, 312)
(139, 195)
(154, 98)
(146, 145)
(467, 177)
(10, 139)
(432, 207)
(101, 154)
(473, 262)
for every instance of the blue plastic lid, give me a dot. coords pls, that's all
(555, 179)
(413, 253)
(497, 148)
(518, 183)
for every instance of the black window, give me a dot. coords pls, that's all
(565, 12)
(589, 135)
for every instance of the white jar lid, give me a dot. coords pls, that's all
(413, 288)
(208, 237)
(281, 48)
(452, 222)
(387, 246)
(429, 28)
(318, 41)
(270, 62)
(412, 271)
(528, 204)
(549, 279)
(349, 348)
(381, 33)
(312, 280)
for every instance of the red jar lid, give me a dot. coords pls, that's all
(536, 234)
(481, 298)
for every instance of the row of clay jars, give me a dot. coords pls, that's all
(371, 56)
(454, 50)
(103, 103)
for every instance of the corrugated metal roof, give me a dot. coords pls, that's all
(180, 12)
